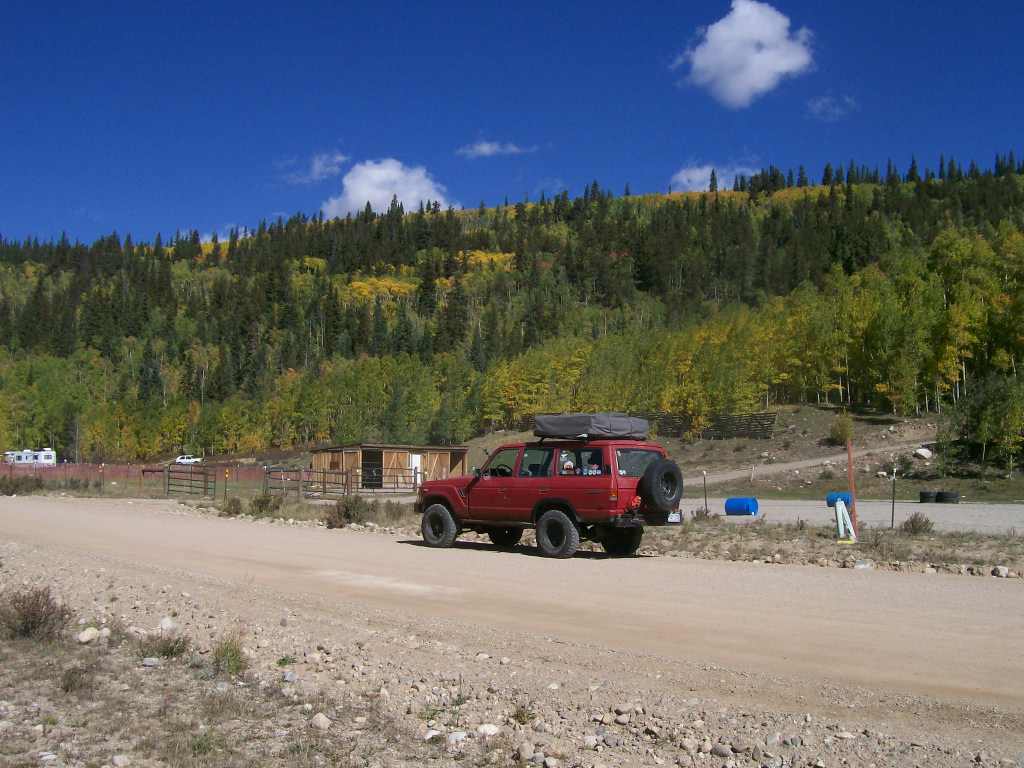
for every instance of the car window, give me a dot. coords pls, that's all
(633, 462)
(502, 463)
(581, 461)
(536, 462)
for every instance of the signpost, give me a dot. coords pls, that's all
(853, 487)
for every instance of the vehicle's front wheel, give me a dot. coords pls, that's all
(557, 535)
(622, 542)
(439, 528)
(506, 538)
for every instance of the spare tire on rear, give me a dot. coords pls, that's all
(661, 486)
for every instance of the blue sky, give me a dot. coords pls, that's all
(208, 115)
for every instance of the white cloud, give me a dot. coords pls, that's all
(322, 166)
(697, 178)
(492, 148)
(747, 53)
(377, 181)
(830, 109)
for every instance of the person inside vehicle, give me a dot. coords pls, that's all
(568, 468)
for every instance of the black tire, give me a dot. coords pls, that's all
(505, 538)
(622, 542)
(661, 486)
(927, 497)
(947, 497)
(439, 528)
(557, 535)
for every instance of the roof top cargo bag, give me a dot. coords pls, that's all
(591, 425)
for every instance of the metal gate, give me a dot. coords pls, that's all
(181, 480)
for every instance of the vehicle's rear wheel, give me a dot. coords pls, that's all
(439, 528)
(622, 542)
(557, 535)
(506, 538)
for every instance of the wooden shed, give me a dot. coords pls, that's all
(375, 466)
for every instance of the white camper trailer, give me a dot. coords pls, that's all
(44, 457)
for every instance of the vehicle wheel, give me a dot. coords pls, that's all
(622, 542)
(506, 538)
(438, 528)
(557, 535)
(662, 485)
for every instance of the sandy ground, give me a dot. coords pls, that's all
(982, 517)
(930, 655)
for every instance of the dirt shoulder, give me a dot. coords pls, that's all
(467, 637)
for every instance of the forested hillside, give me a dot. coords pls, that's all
(900, 291)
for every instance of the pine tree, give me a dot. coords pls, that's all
(801, 177)
(713, 182)
(827, 176)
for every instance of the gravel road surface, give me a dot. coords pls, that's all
(982, 517)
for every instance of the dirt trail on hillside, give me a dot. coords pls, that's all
(780, 467)
(952, 638)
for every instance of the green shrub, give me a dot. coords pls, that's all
(19, 486)
(265, 505)
(164, 647)
(827, 474)
(351, 509)
(905, 464)
(33, 614)
(841, 431)
(231, 507)
(77, 679)
(228, 656)
(917, 524)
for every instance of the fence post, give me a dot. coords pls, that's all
(302, 478)
(167, 479)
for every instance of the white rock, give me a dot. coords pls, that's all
(457, 737)
(923, 453)
(167, 627)
(87, 635)
(1001, 571)
(121, 761)
(431, 735)
(320, 721)
(488, 729)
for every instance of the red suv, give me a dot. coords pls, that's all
(603, 482)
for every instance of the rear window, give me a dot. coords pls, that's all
(633, 462)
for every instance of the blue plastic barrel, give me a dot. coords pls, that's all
(741, 506)
(835, 496)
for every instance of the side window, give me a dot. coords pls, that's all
(502, 463)
(584, 461)
(536, 462)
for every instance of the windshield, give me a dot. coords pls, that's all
(633, 462)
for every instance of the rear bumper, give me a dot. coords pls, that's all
(638, 520)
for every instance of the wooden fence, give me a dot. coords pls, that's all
(336, 483)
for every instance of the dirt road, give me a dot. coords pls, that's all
(982, 517)
(948, 637)
(762, 468)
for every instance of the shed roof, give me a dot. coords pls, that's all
(392, 447)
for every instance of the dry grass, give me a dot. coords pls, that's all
(33, 614)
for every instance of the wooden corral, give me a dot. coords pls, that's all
(378, 466)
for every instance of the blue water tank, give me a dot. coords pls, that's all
(741, 506)
(834, 496)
